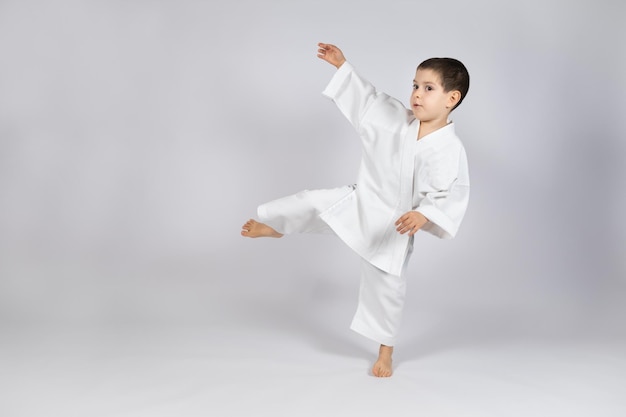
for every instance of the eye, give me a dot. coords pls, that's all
(415, 87)
(429, 88)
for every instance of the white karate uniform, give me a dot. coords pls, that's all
(398, 173)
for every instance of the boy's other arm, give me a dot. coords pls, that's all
(331, 54)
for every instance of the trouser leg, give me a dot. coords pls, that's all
(381, 302)
(299, 213)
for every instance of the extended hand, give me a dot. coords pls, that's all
(410, 222)
(331, 54)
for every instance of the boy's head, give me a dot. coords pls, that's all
(452, 73)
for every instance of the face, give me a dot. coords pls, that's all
(429, 101)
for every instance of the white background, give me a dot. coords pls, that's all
(136, 137)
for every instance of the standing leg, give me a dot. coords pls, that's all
(379, 312)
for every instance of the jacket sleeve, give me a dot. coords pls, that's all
(356, 98)
(352, 94)
(444, 205)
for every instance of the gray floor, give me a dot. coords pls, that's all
(211, 336)
(240, 370)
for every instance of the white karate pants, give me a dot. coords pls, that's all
(381, 295)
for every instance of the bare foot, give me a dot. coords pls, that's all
(252, 228)
(382, 367)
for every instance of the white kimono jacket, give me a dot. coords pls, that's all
(398, 173)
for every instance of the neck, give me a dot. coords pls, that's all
(430, 126)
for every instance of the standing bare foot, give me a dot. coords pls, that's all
(252, 228)
(382, 367)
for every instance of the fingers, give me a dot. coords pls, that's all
(404, 227)
(405, 218)
(331, 54)
(411, 230)
(326, 46)
(323, 49)
(410, 223)
(407, 224)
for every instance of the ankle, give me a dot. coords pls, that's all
(385, 350)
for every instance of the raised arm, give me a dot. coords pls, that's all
(355, 96)
(331, 54)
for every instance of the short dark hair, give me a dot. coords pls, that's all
(454, 75)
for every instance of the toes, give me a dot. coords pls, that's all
(247, 227)
(381, 372)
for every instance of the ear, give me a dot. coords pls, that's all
(453, 98)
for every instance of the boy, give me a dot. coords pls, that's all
(413, 176)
